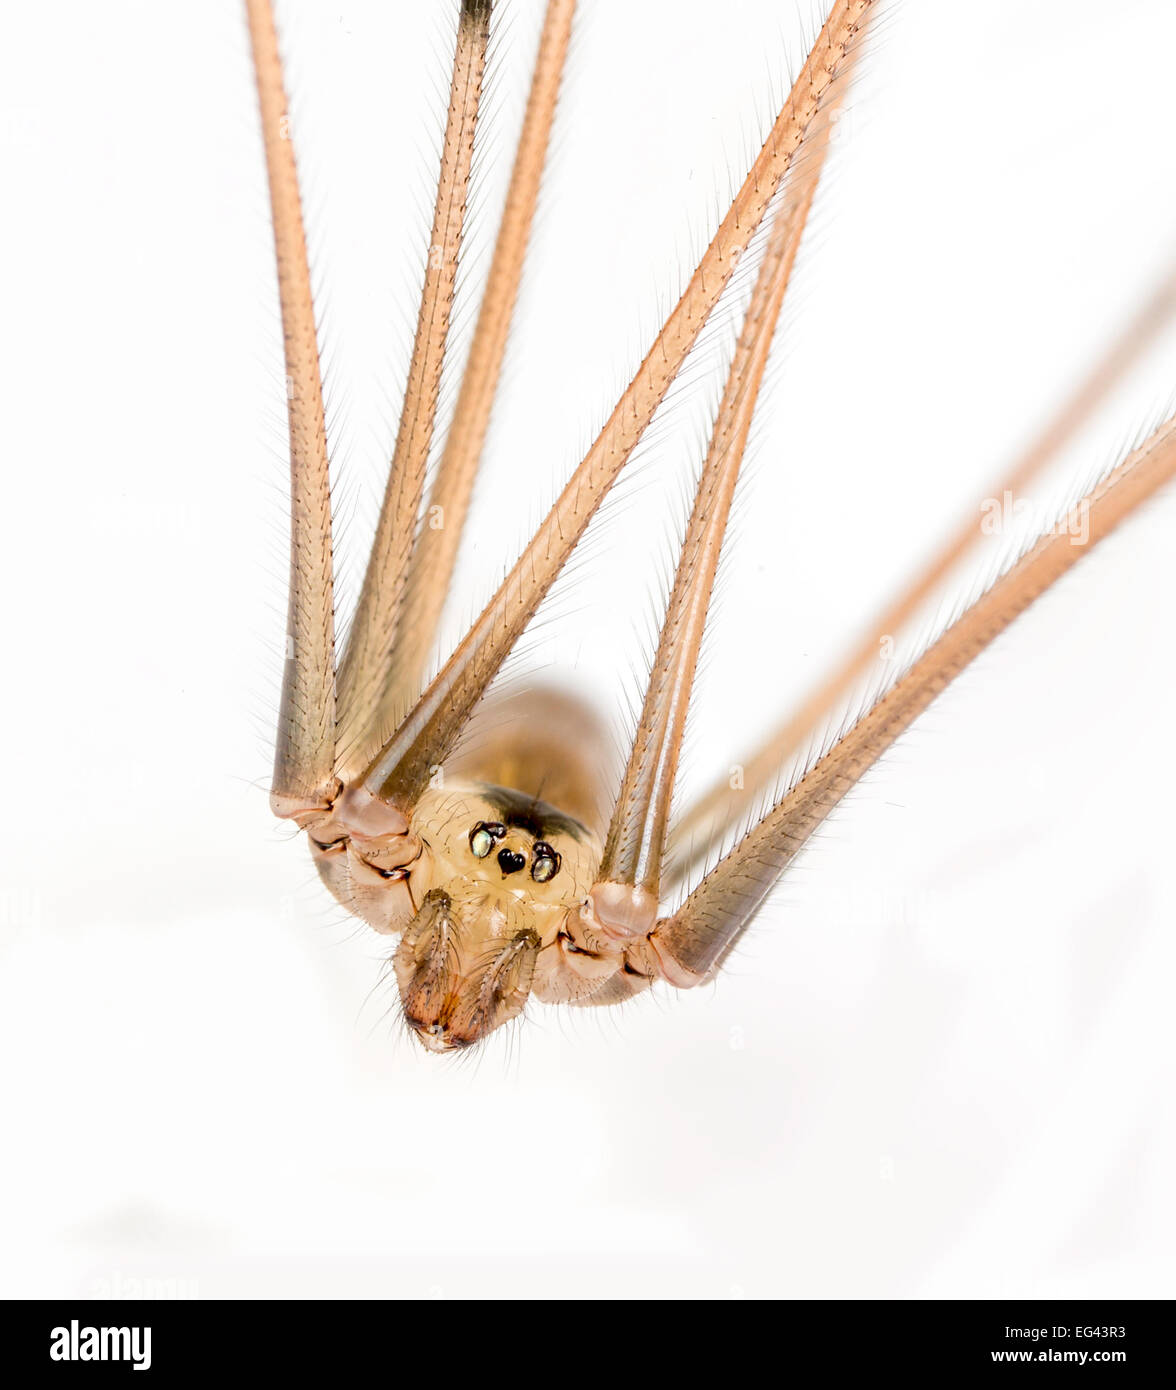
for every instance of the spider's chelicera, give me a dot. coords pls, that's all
(495, 873)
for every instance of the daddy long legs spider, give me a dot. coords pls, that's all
(939, 1062)
(517, 867)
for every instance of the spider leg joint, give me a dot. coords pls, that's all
(302, 810)
(672, 970)
(620, 911)
(366, 816)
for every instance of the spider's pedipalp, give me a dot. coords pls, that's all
(304, 782)
(427, 734)
(693, 942)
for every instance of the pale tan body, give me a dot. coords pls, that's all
(410, 836)
(542, 745)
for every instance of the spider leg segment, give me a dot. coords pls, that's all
(605, 952)
(624, 902)
(365, 671)
(304, 784)
(718, 810)
(436, 548)
(693, 942)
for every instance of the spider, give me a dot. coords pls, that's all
(493, 866)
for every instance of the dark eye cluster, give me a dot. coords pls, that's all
(545, 861)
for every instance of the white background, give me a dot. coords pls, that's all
(941, 1063)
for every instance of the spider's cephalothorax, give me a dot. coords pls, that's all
(493, 892)
(488, 882)
(497, 877)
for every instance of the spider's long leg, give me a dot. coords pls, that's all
(716, 812)
(694, 941)
(425, 737)
(364, 669)
(435, 551)
(625, 898)
(304, 762)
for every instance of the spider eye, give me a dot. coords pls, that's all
(483, 835)
(545, 863)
